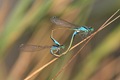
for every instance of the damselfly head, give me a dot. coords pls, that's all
(91, 29)
(52, 19)
(63, 46)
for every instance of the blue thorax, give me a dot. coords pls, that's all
(83, 30)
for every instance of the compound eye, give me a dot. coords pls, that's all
(54, 17)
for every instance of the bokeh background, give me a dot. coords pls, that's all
(28, 22)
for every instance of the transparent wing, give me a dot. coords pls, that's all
(32, 48)
(61, 22)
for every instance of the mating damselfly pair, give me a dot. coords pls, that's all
(55, 49)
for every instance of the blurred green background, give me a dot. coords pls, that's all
(28, 22)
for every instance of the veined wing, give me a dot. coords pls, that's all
(61, 22)
(32, 48)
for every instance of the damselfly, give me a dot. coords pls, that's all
(82, 30)
(54, 49)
